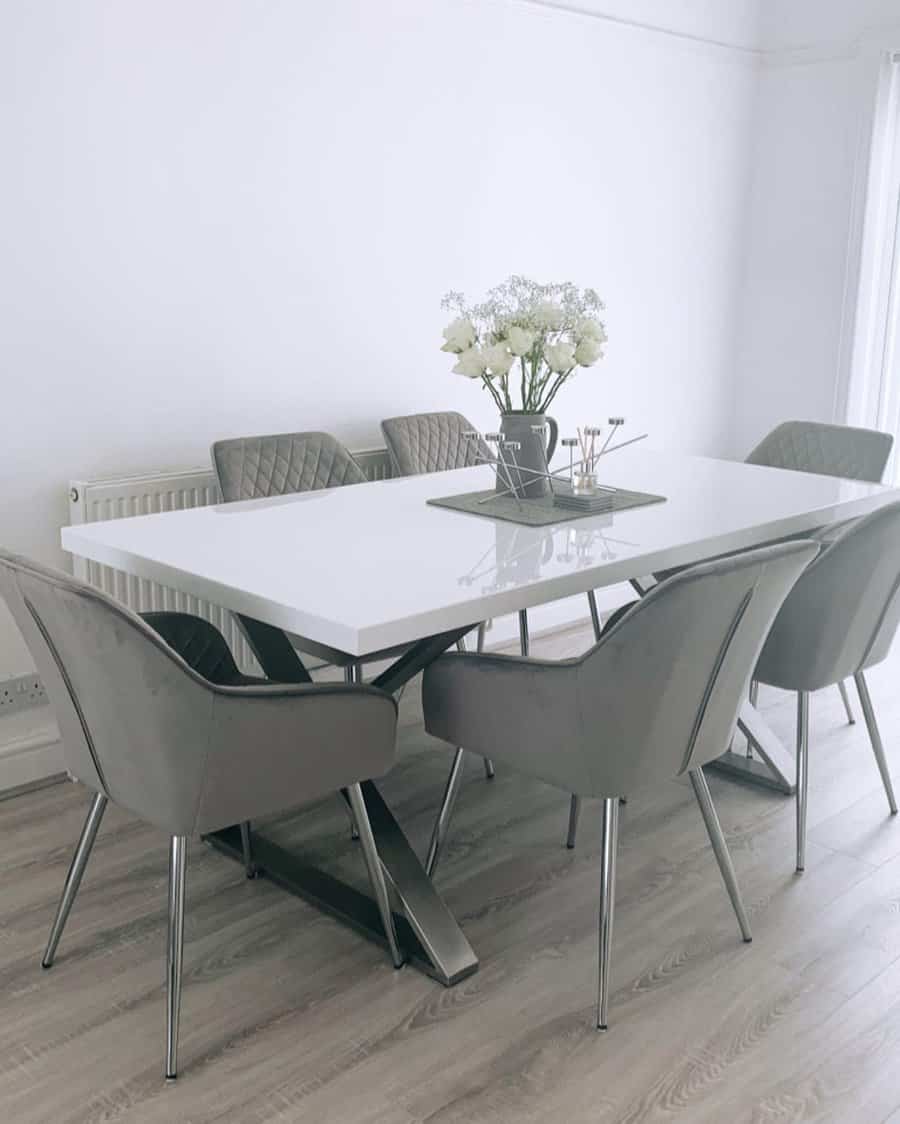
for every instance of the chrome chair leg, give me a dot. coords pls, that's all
(175, 950)
(574, 813)
(524, 640)
(607, 904)
(595, 614)
(875, 738)
(802, 775)
(249, 865)
(376, 873)
(845, 699)
(720, 849)
(76, 871)
(445, 811)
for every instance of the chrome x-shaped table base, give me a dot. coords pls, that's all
(426, 929)
(773, 766)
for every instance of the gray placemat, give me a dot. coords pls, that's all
(537, 513)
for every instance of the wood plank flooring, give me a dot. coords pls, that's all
(287, 1016)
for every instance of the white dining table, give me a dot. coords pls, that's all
(374, 566)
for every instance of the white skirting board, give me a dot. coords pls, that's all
(30, 749)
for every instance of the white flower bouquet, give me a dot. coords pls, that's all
(525, 337)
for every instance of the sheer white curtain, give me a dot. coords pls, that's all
(874, 391)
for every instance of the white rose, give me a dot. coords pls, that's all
(588, 328)
(588, 352)
(520, 340)
(560, 357)
(459, 335)
(497, 359)
(470, 363)
(549, 315)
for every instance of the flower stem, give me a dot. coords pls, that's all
(559, 381)
(494, 395)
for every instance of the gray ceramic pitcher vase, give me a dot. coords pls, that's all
(536, 436)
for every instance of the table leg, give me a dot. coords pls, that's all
(417, 657)
(775, 767)
(427, 930)
(275, 654)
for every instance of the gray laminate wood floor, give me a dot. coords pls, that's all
(288, 1016)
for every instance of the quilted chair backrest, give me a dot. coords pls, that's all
(420, 443)
(134, 719)
(660, 693)
(842, 615)
(829, 450)
(250, 468)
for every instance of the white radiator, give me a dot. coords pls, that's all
(91, 501)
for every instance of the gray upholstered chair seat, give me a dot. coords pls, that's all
(155, 716)
(656, 697)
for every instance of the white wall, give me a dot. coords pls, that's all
(814, 117)
(220, 217)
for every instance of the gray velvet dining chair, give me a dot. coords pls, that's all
(846, 451)
(838, 621)
(188, 744)
(657, 697)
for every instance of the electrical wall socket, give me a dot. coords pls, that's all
(21, 694)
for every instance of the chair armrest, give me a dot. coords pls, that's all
(273, 747)
(523, 712)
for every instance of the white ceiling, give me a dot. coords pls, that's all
(760, 24)
(796, 23)
(735, 22)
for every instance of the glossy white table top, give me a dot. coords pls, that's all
(365, 567)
